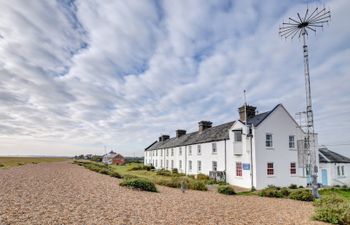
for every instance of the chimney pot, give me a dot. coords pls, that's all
(202, 125)
(180, 133)
(250, 112)
(164, 138)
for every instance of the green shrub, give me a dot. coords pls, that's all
(114, 174)
(197, 185)
(301, 186)
(2, 165)
(332, 209)
(226, 190)
(302, 195)
(174, 171)
(202, 176)
(293, 186)
(191, 176)
(285, 191)
(104, 171)
(20, 164)
(163, 172)
(139, 184)
(271, 192)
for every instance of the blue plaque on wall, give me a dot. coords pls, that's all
(246, 166)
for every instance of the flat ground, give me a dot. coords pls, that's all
(63, 193)
(6, 162)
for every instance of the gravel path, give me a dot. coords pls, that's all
(63, 193)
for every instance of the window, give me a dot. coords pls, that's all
(190, 150)
(161, 163)
(199, 151)
(172, 152)
(238, 135)
(156, 163)
(166, 164)
(270, 169)
(199, 166)
(213, 145)
(180, 164)
(161, 152)
(340, 170)
(180, 151)
(172, 164)
(293, 168)
(215, 166)
(291, 141)
(190, 165)
(269, 140)
(238, 169)
(156, 152)
(167, 152)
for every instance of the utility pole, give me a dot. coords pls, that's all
(300, 26)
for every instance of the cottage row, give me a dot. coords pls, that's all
(255, 150)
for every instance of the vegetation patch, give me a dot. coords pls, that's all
(114, 174)
(302, 195)
(332, 209)
(273, 192)
(293, 186)
(202, 176)
(226, 190)
(2, 165)
(20, 161)
(197, 185)
(139, 184)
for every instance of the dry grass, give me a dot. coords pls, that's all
(8, 162)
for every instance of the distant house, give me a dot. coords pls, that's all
(334, 168)
(113, 158)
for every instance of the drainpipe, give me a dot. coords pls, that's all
(225, 160)
(185, 159)
(251, 157)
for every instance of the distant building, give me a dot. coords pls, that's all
(255, 150)
(113, 158)
(334, 168)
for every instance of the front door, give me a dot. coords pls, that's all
(324, 177)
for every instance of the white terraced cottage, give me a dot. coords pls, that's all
(265, 144)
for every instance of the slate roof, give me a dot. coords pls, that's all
(332, 157)
(217, 133)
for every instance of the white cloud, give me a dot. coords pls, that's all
(76, 77)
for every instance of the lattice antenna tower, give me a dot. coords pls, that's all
(301, 26)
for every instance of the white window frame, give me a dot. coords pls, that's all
(216, 165)
(271, 141)
(291, 144)
(214, 148)
(235, 133)
(273, 169)
(199, 150)
(199, 166)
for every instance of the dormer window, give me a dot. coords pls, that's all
(237, 135)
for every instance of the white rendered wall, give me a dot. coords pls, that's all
(280, 125)
(332, 175)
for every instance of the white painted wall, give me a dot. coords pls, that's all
(280, 125)
(332, 174)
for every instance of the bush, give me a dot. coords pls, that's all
(139, 184)
(272, 192)
(285, 191)
(226, 190)
(293, 186)
(302, 195)
(332, 209)
(174, 171)
(141, 167)
(197, 185)
(114, 174)
(301, 186)
(2, 165)
(105, 171)
(202, 176)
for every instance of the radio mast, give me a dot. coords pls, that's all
(301, 26)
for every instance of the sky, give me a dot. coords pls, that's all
(80, 77)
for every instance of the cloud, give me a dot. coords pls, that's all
(79, 75)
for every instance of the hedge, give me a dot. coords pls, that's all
(139, 184)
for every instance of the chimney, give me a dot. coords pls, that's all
(250, 112)
(180, 133)
(164, 138)
(204, 125)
